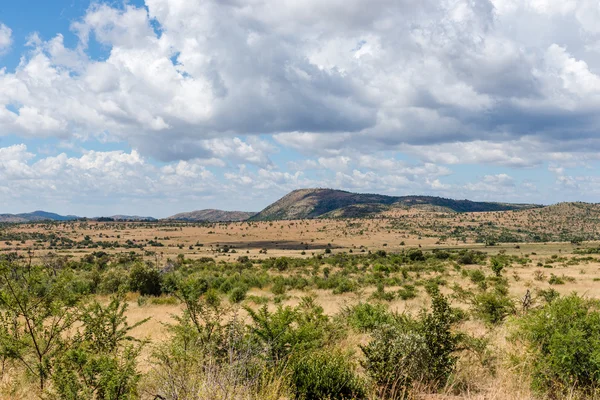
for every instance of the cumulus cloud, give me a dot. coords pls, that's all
(348, 85)
(371, 74)
(95, 175)
(5, 38)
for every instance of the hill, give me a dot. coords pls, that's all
(36, 216)
(132, 218)
(211, 215)
(330, 203)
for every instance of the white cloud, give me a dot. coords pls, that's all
(353, 86)
(5, 38)
(363, 76)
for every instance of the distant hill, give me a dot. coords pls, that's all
(132, 218)
(212, 215)
(36, 216)
(330, 203)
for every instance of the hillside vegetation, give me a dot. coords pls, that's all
(35, 217)
(315, 203)
(212, 215)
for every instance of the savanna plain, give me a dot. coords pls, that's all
(411, 303)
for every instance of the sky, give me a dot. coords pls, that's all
(153, 107)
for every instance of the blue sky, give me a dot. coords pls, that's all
(156, 107)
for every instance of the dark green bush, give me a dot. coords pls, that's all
(326, 375)
(238, 294)
(145, 279)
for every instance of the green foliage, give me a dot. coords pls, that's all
(327, 374)
(100, 362)
(477, 276)
(381, 294)
(37, 308)
(113, 280)
(145, 279)
(497, 265)
(83, 374)
(556, 280)
(238, 294)
(549, 295)
(493, 306)
(412, 350)
(562, 345)
(365, 317)
(407, 292)
(287, 329)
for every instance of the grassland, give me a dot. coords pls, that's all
(494, 268)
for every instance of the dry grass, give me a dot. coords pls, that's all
(291, 238)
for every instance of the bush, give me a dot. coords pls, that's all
(326, 375)
(492, 306)
(288, 330)
(556, 280)
(548, 295)
(412, 350)
(381, 294)
(145, 279)
(278, 286)
(365, 317)
(238, 294)
(562, 343)
(416, 255)
(477, 276)
(113, 280)
(100, 362)
(407, 292)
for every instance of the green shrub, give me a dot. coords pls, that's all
(497, 266)
(477, 276)
(288, 330)
(407, 292)
(412, 350)
(145, 279)
(493, 306)
(562, 344)
(238, 294)
(326, 375)
(365, 317)
(344, 285)
(381, 294)
(100, 363)
(416, 255)
(278, 287)
(549, 295)
(113, 280)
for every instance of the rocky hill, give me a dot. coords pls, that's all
(330, 203)
(36, 216)
(212, 215)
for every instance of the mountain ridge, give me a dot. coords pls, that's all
(211, 215)
(332, 203)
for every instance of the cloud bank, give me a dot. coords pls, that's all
(287, 93)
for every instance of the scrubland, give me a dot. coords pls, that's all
(420, 305)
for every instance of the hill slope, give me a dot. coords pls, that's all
(36, 216)
(211, 215)
(314, 203)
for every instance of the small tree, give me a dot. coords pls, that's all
(37, 308)
(100, 362)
